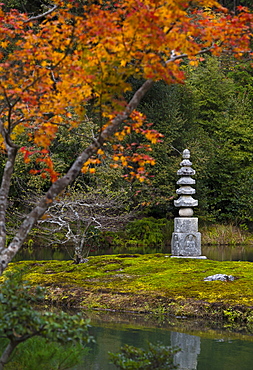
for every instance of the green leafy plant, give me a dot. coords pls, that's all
(41, 353)
(143, 236)
(155, 357)
(20, 322)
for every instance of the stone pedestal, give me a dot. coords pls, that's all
(186, 240)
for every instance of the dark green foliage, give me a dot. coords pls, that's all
(222, 102)
(141, 236)
(27, 6)
(167, 107)
(155, 357)
(149, 231)
(233, 4)
(40, 353)
(20, 322)
(16, 312)
(212, 115)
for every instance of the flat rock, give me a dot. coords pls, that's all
(220, 277)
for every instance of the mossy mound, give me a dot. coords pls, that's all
(147, 283)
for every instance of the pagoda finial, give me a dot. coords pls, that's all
(185, 201)
(186, 154)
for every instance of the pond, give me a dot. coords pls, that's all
(213, 252)
(201, 349)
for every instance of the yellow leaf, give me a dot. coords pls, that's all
(115, 165)
(193, 63)
(45, 216)
(4, 44)
(123, 63)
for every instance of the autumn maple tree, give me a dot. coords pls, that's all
(52, 65)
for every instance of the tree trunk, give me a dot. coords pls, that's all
(5, 184)
(6, 353)
(7, 254)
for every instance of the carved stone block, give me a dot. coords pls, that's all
(186, 244)
(185, 225)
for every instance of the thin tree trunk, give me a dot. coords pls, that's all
(5, 185)
(6, 354)
(58, 186)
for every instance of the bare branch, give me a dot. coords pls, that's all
(73, 220)
(42, 15)
(183, 56)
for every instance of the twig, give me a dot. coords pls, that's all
(42, 15)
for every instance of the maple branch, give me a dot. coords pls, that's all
(42, 15)
(17, 99)
(182, 56)
(58, 186)
(4, 133)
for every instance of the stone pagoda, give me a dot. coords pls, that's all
(186, 240)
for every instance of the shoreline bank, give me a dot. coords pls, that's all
(149, 284)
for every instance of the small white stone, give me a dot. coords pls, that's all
(185, 212)
(186, 154)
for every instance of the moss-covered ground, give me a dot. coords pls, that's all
(147, 283)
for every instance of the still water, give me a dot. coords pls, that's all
(213, 252)
(200, 349)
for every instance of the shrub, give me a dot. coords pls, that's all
(156, 357)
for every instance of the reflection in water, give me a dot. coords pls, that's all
(39, 253)
(187, 357)
(213, 252)
(207, 350)
(228, 253)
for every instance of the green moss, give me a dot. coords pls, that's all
(148, 282)
(171, 277)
